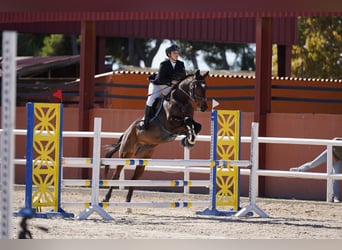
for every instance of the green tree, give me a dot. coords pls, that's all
(319, 50)
(215, 54)
(190, 51)
(57, 44)
(247, 59)
(132, 51)
(29, 44)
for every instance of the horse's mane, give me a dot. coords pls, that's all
(187, 77)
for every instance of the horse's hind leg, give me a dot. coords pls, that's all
(139, 170)
(115, 177)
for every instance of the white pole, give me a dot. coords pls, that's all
(95, 176)
(253, 177)
(253, 180)
(9, 53)
(96, 161)
(330, 171)
(186, 171)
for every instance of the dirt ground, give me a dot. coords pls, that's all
(288, 219)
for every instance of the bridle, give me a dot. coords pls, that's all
(192, 96)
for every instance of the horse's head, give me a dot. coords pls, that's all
(197, 89)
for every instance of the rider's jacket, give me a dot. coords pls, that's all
(167, 73)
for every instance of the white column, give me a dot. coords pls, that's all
(9, 53)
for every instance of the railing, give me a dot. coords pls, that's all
(329, 176)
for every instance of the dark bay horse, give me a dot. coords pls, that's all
(174, 118)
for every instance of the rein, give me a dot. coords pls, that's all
(158, 91)
(192, 96)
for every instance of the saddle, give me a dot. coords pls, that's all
(157, 106)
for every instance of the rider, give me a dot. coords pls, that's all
(170, 72)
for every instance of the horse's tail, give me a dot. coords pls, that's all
(111, 149)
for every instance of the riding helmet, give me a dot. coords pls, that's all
(173, 47)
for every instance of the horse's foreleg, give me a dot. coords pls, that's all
(115, 177)
(139, 170)
(197, 127)
(192, 130)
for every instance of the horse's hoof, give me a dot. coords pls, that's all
(185, 143)
(188, 121)
(129, 211)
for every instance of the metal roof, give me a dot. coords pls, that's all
(234, 30)
(35, 64)
(215, 20)
(175, 9)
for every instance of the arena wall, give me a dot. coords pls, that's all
(128, 90)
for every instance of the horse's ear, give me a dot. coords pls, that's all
(198, 73)
(206, 74)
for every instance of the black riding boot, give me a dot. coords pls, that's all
(147, 118)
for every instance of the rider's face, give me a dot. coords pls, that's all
(174, 55)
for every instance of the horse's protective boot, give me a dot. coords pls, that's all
(147, 118)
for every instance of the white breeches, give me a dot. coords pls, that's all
(154, 91)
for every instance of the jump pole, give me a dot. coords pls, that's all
(225, 145)
(43, 161)
(96, 162)
(96, 206)
(253, 177)
(9, 53)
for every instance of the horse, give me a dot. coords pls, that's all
(173, 118)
